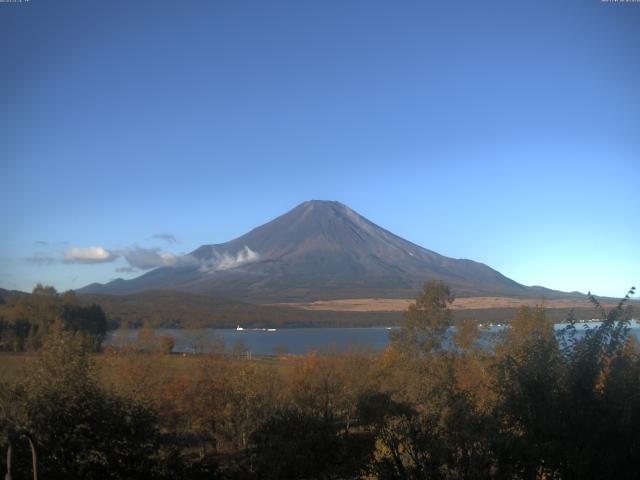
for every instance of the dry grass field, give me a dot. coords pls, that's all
(15, 366)
(398, 305)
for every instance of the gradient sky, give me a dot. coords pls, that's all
(505, 132)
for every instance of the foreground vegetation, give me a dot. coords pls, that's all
(430, 406)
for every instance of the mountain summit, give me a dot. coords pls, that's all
(318, 250)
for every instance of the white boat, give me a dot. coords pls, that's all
(271, 329)
(239, 328)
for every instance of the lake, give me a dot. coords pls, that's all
(302, 340)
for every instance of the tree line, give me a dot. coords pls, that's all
(26, 320)
(433, 405)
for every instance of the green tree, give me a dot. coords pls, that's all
(427, 320)
(28, 319)
(90, 320)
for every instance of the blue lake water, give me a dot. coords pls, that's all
(303, 340)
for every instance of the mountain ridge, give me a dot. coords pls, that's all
(319, 250)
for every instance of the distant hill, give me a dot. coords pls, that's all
(320, 250)
(7, 295)
(166, 308)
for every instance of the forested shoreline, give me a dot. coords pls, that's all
(532, 407)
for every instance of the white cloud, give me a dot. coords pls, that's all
(89, 255)
(137, 258)
(227, 261)
(141, 258)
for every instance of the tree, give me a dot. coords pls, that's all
(569, 409)
(293, 445)
(602, 397)
(122, 337)
(427, 320)
(29, 318)
(90, 320)
(239, 349)
(79, 429)
(528, 383)
(437, 421)
(167, 343)
(147, 341)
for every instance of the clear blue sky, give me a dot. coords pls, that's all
(505, 132)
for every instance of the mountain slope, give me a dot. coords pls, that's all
(318, 250)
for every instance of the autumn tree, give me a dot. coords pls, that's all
(568, 408)
(79, 429)
(434, 427)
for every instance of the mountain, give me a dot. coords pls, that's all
(319, 250)
(8, 295)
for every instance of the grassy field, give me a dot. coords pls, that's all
(14, 366)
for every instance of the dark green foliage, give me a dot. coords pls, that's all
(93, 434)
(375, 407)
(90, 320)
(427, 320)
(27, 319)
(293, 445)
